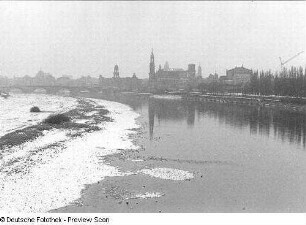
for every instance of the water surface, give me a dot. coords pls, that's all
(267, 147)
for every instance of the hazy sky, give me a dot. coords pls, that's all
(89, 38)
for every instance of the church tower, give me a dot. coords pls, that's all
(152, 67)
(199, 71)
(166, 67)
(116, 71)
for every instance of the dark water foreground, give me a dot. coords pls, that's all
(244, 158)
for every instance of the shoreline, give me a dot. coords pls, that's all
(147, 189)
(286, 103)
(271, 102)
(140, 192)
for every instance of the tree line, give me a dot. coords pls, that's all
(287, 82)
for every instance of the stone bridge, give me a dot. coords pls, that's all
(64, 90)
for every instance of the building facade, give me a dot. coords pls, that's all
(64, 81)
(120, 83)
(43, 79)
(191, 71)
(170, 78)
(239, 75)
(199, 71)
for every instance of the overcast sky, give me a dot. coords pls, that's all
(89, 38)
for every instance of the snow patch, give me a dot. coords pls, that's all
(167, 97)
(82, 121)
(148, 195)
(137, 160)
(91, 113)
(168, 173)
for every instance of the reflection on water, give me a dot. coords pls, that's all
(169, 110)
(273, 123)
(249, 156)
(151, 120)
(285, 125)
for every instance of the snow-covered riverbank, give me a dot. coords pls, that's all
(15, 110)
(50, 171)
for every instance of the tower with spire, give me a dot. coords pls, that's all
(166, 67)
(116, 71)
(152, 67)
(199, 71)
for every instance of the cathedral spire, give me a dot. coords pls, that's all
(152, 66)
(199, 70)
(116, 71)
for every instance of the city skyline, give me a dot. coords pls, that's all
(81, 39)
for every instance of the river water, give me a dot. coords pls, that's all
(267, 147)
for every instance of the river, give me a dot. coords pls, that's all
(252, 158)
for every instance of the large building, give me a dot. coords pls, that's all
(43, 79)
(65, 81)
(191, 71)
(239, 75)
(86, 81)
(120, 83)
(170, 78)
(212, 78)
